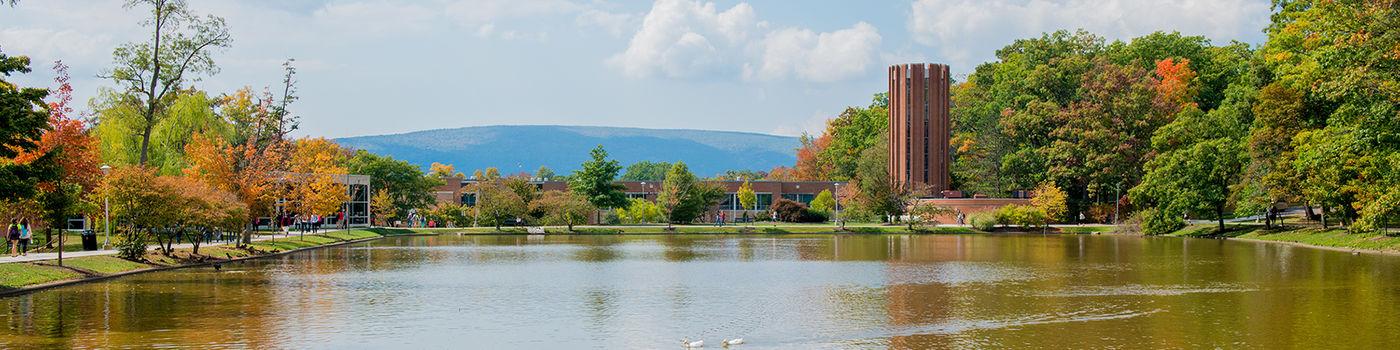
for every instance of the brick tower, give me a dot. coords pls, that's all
(919, 128)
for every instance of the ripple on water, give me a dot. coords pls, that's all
(957, 273)
(1146, 290)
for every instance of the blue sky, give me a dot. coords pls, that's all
(783, 67)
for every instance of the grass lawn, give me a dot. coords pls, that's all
(1087, 229)
(105, 265)
(19, 275)
(1335, 238)
(758, 228)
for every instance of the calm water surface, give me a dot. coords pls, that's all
(777, 292)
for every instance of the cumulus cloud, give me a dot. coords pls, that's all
(690, 38)
(820, 57)
(684, 38)
(967, 32)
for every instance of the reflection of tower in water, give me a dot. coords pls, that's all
(913, 298)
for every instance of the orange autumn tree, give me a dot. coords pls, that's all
(315, 163)
(1174, 78)
(247, 171)
(810, 164)
(77, 158)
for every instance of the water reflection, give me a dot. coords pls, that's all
(843, 291)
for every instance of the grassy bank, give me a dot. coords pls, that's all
(17, 276)
(701, 229)
(1311, 236)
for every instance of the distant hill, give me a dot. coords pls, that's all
(515, 148)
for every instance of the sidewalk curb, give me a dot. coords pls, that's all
(38, 287)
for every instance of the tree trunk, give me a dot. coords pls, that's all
(1323, 216)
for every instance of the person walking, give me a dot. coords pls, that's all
(12, 236)
(25, 233)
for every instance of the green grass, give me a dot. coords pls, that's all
(105, 265)
(1335, 238)
(18, 275)
(759, 228)
(1087, 229)
(1212, 230)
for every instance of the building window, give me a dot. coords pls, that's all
(764, 200)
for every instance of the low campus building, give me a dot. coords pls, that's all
(458, 190)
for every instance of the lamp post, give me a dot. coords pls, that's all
(838, 205)
(106, 214)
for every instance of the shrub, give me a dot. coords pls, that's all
(1020, 215)
(926, 214)
(791, 211)
(1158, 222)
(984, 221)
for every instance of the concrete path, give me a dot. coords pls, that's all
(6, 258)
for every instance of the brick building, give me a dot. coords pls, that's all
(919, 131)
(459, 190)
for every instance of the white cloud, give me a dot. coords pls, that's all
(689, 38)
(684, 38)
(967, 32)
(820, 57)
(376, 18)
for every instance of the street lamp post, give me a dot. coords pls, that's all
(838, 205)
(106, 214)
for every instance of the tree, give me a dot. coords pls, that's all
(926, 214)
(562, 208)
(383, 207)
(499, 204)
(683, 197)
(544, 173)
(137, 206)
(1200, 156)
(75, 153)
(1051, 200)
(646, 171)
(748, 200)
(316, 162)
(594, 180)
(23, 120)
(407, 186)
(835, 153)
(1341, 56)
(641, 211)
(439, 170)
(875, 192)
(824, 202)
(179, 50)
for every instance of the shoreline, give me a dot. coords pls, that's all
(87, 277)
(382, 233)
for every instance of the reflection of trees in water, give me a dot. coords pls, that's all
(142, 310)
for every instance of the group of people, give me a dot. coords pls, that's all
(307, 223)
(18, 233)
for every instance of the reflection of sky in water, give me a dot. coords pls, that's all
(777, 292)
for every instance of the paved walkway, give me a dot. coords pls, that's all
(6, 258)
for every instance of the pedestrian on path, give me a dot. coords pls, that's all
(12, 236)
(25, 233)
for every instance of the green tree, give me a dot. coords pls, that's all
(562, 208)
(1200, 156)
(405, 183)
(683, 197)
(876, 193)
(646, 171)
(824, 202)
(640, 211)
(748, 199)
(594, 180)
(23, 119)
(544, 173)
(499, 204)
(1341, 56)
(178, 51)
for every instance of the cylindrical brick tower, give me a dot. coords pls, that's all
(919, 128)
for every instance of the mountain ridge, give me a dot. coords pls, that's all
(523, 148)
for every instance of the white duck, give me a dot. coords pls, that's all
(735, 341)
(692, 344)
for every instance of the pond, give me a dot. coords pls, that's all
(776, 292)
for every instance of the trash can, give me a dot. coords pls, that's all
(89, 240)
